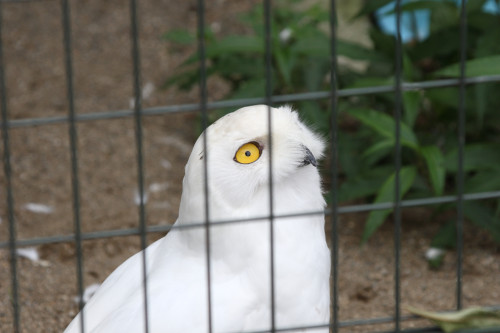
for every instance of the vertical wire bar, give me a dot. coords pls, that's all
(204, 119)
(334, 246)
(461, 144)
(8, 177)
(398, 89)
(66, 22)
(139, 146)
(269, 93)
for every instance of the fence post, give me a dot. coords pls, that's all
(8, 189)
(334, 238)
(461, 145)
(398, 91)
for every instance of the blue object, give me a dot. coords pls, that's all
(415, 25)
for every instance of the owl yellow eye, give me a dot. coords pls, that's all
(248, 153)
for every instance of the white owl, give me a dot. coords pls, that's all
(238, 188)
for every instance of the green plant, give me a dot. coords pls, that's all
(429, 121)
(300, 57)
(301, 63)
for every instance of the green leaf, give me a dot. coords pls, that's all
(475, 6)
(377, 152)
(411, 101)
(445, 97)
(480, 103)
(250, 88)
(236, 44)
(476, 67)
(497, 210)
(422, 4)
(385, 126)
(371, 82)
(316, 12)
(383, 43)
(435, 165)
(486, 22)
(317, 46)
(446, 237)
(313, 113)
(349, 149)
(371, 6)
(477, 156)
(487, 43)
(483, 217)
(409, 70)
(483, 181)
(379, 148)
(443, 17)
(363, 184)
(231, 47)
(285, 66)
(471, 318)
(433, 48)
(358, 52)
(313, 72)
(386, 194)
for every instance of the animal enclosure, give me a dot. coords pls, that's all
(94, 151)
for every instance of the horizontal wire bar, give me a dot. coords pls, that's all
(351, 323)
(434, 329)
(381, 320)
(181, 108)
(417, 202)
(23, 1)
(165, 228)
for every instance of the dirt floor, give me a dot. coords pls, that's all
(41, 173)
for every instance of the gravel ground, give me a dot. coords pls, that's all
(40, 158)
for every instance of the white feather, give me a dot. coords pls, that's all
(39, 208)
(30, 253)
(239, 252)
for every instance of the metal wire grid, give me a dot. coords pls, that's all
(204, 106)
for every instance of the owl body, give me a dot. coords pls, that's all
(240, 251)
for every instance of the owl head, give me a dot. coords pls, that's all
(238, 151)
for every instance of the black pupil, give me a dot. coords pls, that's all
(247, 153)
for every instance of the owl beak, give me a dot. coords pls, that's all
(308, 158)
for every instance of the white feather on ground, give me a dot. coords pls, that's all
(239, 252)
(32, 254)
(39, 208)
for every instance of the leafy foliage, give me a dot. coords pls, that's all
(470, 319)
(301, 63)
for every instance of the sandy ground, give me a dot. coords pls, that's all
(36, 87)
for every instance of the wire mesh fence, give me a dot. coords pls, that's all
(138, 113)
